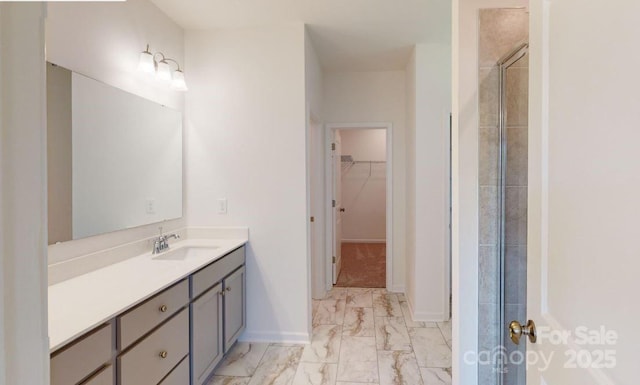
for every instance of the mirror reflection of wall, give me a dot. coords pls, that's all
(114, 158)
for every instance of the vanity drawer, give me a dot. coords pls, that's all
(150, 360)
(104, 377)
(79, 360)
(138, 321)
(215, 272)
(179, 375)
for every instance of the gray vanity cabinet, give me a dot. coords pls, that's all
(234, 307)
(206, 333)
(76, 363)
(176, 337)
(218, 312)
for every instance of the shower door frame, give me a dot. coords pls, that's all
(504, 64)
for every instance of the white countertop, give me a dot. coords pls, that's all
(79, 304)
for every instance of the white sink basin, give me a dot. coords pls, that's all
(185, 253)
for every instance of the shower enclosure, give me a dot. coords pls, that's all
(503, 145)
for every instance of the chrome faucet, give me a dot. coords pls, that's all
(161, 243)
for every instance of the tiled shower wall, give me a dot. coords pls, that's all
(501, 31)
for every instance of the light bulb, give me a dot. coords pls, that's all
(164, 72)
(178, 82)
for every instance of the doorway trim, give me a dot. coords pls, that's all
(330, 128)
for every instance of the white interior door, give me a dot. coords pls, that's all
(584, 191)
(336, 155)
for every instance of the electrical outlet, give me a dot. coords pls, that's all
(151, 206)
(222, 206)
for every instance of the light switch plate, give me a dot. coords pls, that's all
(222, 206)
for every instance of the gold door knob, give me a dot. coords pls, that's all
(163, 308)
(163, 354)
(516, 330)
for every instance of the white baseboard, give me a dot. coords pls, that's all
(397, 289)
(425, 316)
(364, 240)
(275, 337)
(429, 317)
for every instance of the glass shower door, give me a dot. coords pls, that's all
(512, 206)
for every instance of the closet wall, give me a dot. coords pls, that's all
(364, 185)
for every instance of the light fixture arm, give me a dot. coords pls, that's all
(166, 59)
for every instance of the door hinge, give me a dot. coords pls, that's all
(333, 203)
(333, 146)
(333, 259)
(313, 219)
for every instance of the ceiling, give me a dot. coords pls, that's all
(349, 35)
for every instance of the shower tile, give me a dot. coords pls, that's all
(487, 375)
(489, 96)
(488, 274)
(515, 371)
(488, 151)
(515, 312)
(488, 215)
(500, 32)
(517, 156)
(515, 216)
(487, 318)
(517, 96)
(516, 274)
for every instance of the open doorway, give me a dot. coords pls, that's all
(359, 210)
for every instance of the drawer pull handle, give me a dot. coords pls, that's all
(163, 308)
(163, 354)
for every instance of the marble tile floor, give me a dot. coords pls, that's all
(360, 336)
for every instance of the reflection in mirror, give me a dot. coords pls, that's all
(114, 158)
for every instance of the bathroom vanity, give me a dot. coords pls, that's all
(153, 319)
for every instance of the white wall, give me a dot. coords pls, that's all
(364, 186)
(24, 346)
(104, 41)
(465, 181)
(356, 97)
(365, 145)
(429, 299)
(246, 142)
(315, 166)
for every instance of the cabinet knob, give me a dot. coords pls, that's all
(163, 308)
(163, 354)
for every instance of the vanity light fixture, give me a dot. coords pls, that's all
(158, 64)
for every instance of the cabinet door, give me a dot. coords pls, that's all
(206, 334)
(234, 307)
